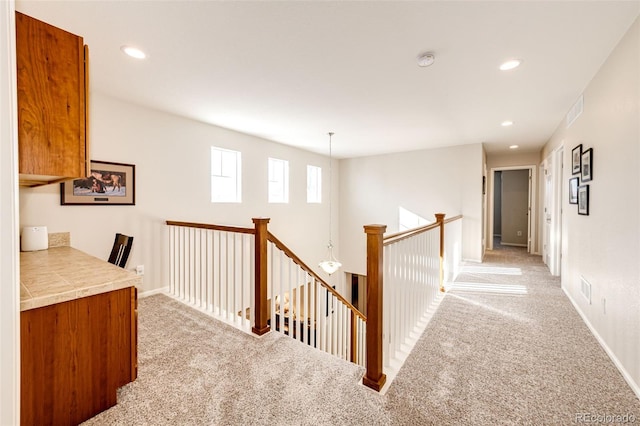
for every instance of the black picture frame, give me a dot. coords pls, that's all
(110, 184)
(576, 157)
(586, 168)
(573, 190)
(583, 200)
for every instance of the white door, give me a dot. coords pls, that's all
(529, 230)
(553, 199)
(548, 196)
(558, 191)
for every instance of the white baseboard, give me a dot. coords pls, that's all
(627, 377)
(163, 290)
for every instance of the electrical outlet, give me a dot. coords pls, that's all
(140, 269)
(519, 233)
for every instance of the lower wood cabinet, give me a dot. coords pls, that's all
(75, 355)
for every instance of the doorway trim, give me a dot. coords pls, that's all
(533, 212)
(555, 163)
(9, 223)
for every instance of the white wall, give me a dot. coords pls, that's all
(172, 158)
(513, 159)
(604, 247)
(9, 264)
(447, 180)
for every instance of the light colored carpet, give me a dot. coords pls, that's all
(501, 349)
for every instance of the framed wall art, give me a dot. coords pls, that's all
(573, 190)
(111, 184)
(583, 200)
(576, 155)
(586, 162)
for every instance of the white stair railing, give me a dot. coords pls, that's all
(452, 249)
(210, 268)
(307, 308)
(412, 283)
(221, 270)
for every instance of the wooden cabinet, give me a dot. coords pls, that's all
(75, 355)
(52, 103)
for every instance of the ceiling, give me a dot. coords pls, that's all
(292, 71)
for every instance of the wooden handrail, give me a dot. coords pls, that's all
(399, 236)
(411, 231)
(289, 253)
(452, 219)
(224, 228)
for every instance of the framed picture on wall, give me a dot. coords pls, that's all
(587, 165)
(583, 200)
(111, 184)
(573, 190)
(576, 154)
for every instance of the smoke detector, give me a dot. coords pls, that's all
(426, 59)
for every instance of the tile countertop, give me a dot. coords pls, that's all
(61, 274)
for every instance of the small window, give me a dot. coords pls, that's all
(226, 176)
(278, 181)
(314, 184)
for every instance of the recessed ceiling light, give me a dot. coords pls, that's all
(506, 123)
(514, 147)
(134, 52)
(426, 59)
(510, 64)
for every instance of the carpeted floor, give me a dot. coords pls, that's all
(504, 347)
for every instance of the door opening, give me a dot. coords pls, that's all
(512, 207)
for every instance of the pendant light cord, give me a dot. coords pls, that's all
(330, 186)
(330, 265)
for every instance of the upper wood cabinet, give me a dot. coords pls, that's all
(52, 103)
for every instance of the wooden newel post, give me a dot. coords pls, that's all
(373, 376)
(260, 326)
(440, 220)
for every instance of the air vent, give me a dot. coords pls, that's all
(585, 288)
(575, 111)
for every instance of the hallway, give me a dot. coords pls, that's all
(505, 347)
